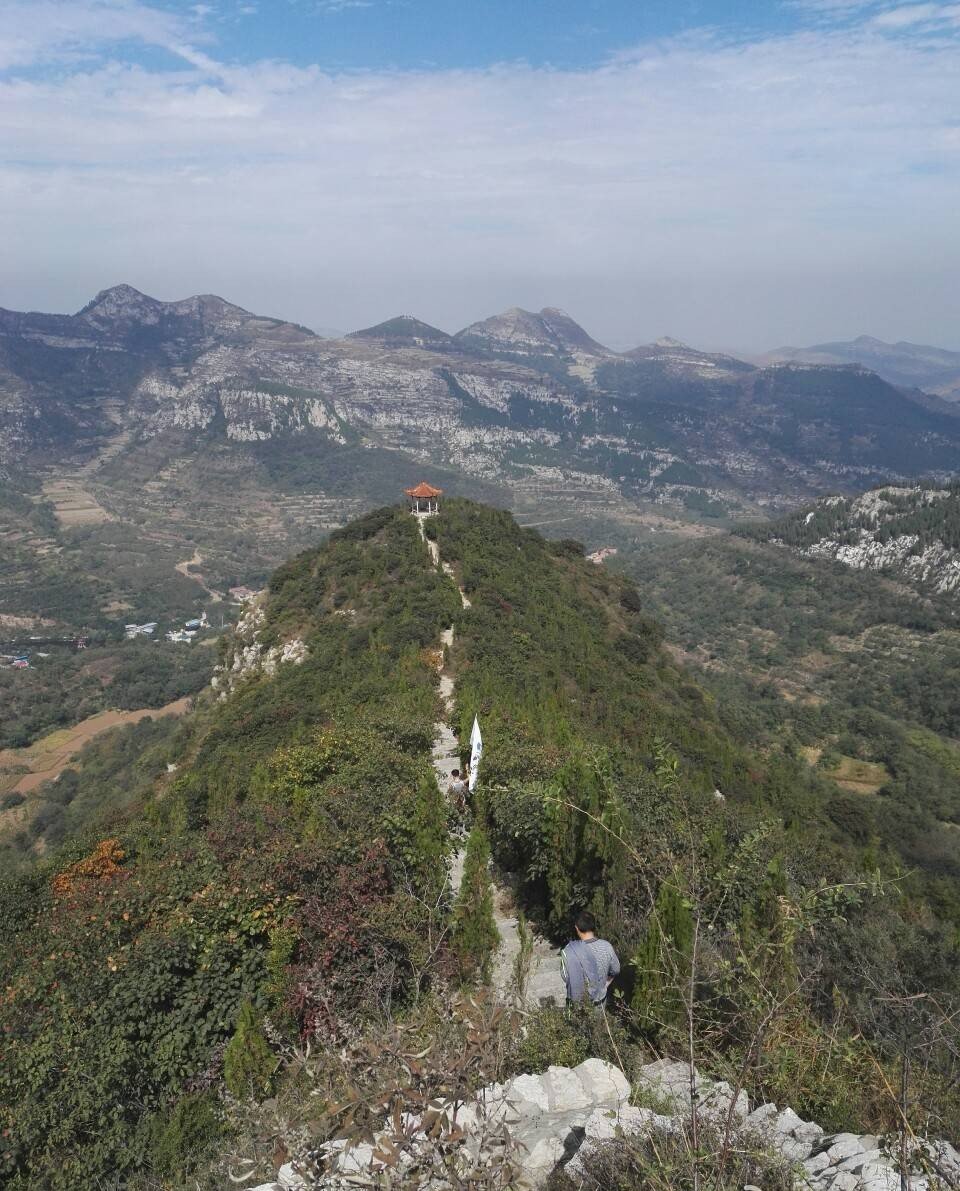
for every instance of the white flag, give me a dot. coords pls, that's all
(476, 752)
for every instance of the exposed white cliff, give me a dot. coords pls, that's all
(251, 656)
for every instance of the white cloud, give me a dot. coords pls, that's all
(745, 193)
(37, 32)
(908, 15)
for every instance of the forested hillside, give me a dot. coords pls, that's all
(911, 534)
(286, 867)
(263, 949)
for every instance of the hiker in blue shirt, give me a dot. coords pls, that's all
(588, 964)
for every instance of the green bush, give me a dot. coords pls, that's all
(179, 1139)
(475, 936)
(248, 1062)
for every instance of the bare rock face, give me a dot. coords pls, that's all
(249, 656)
(893, 530)
(561, 1117)
(528, 398)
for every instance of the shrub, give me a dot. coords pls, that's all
(178, 1139)
(248, 1063)
(475, 935)
(671, 1162)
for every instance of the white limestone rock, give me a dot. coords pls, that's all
(761, 1116)
(668, 1081)
(540, 1160)
(875, 1177)
(816, 1163)
(840, 1146)
(715, 1103)
(565, 1092)
(602, 1082)
(809, 1131)
(527, 1095)
(791, 1149)
(844, 1181)
(290, 1180)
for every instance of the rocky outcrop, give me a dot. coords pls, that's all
(907, 533)
(250, 656)
(932, 566)
(559, 1118)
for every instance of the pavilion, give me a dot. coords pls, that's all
(424, 499)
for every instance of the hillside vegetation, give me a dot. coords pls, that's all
(286, 884)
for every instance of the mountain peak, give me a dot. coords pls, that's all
(522, 332)
(405, 329)
(668, 341)
(119, 299)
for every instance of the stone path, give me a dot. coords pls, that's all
(543, 982)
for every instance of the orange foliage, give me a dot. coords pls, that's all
(101, 865)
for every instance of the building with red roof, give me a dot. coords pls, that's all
(424, 499)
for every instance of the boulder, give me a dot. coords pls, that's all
(628, 1121)
(541, 1158)
(857, 1162)
(527, 1095)
(669, 1081)
(565, 1092)
(716, 1100)
(787, 1122)
(791, 1149)
(816, 1164)
(602, 1082)
(808, 1131)
(844, 1181)
(840, 1146)
(290, 1180)
(760, 1116)
(879, 1178)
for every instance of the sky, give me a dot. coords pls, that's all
(739, 175)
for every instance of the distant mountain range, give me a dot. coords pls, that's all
(527, 400)
(930, 368)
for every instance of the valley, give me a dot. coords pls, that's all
(273, 862)
(743, 602)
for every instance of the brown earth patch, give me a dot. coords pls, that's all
(47, 758)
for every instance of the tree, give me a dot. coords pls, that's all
(475, 936)
(248, 1063)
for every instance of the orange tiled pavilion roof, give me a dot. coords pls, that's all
(423, 491)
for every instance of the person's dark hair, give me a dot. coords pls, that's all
(456, 773)
(586, 922)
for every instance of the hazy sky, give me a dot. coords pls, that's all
(735, 174)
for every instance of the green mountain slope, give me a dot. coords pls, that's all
(285, 883)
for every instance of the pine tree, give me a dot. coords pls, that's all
(662, 962)
(248, 1063)
(475, 936)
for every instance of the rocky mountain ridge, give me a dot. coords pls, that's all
(530, 400)
(562, 1118)
(933, 369)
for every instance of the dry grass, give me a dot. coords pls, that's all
(860, 777)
